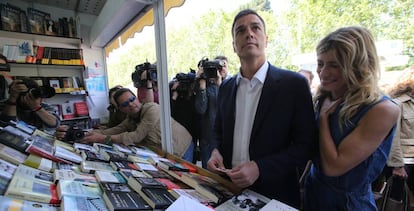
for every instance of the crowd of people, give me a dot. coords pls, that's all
(262, 126)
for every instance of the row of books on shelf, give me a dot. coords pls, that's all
(109, 177)
(25, 52)
(35, 21)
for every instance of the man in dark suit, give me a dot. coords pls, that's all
(265, 130)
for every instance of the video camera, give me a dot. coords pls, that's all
(210, 68)
(151, 74)
(39, 92)
(73, 134)
(185, 80)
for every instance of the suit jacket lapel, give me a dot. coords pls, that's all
(265, 104)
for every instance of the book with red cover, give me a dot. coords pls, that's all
(44, 148)
(168, 183)
(81, 109)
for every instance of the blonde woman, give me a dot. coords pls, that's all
(356, 123)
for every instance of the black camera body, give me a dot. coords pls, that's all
(73, 134)
(151, 74)
(185, 82)
(210, 68)
(37, 91)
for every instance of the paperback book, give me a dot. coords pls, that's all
(76, 188)
(117, 201)
(32, 190)
(12, 204)
(109, 176)
(72, 203)
(70, 175)
(11, 155)
(157, 198)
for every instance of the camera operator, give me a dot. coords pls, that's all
(145, 80)
(24, 104)
(208, 80)
(182, 103)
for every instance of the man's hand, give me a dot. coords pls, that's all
(61, 131)
(215, 162)
(93, 137)
(245, 174)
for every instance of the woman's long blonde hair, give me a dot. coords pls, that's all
(355, 51)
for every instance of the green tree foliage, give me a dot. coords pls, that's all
(290, 32)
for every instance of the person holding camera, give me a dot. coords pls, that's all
(5, 81)
(145, 80)
(25, 104)
(208, 80)
(182, 103)
(141, 127)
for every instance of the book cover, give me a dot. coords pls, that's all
(117, 201)
(121, 148)
(65, 174)
(157, 174)
(77, 188)
(54, 82)
(143, 151)
(7, 169)
(39, 80)
(171, 165)
(115, 187)
(127, 173)
(72, 203)
(146, 167)
(168, 183)
(68, 110)
(81, 108)
(14, 141)
(109, 176)
(92, 156)
(246, 200)
(123, 164)
(11, 155)
(12, 204)
(67, 82)
(137, 159)
(92, 166)
(112, 155)
(40, 163)
(63, 153)
(157, 198)
(32, 190)
(43, 147)
(81, 146)
(137, 183)
(33, 174)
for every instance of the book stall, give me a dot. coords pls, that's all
(39, 172)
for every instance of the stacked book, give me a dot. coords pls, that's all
(36, 168)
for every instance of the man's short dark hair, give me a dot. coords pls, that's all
(121, 91)
(244, 13)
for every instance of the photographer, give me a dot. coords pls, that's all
(182, 103)
(208, 80)
(145, 80)
(25, 105)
